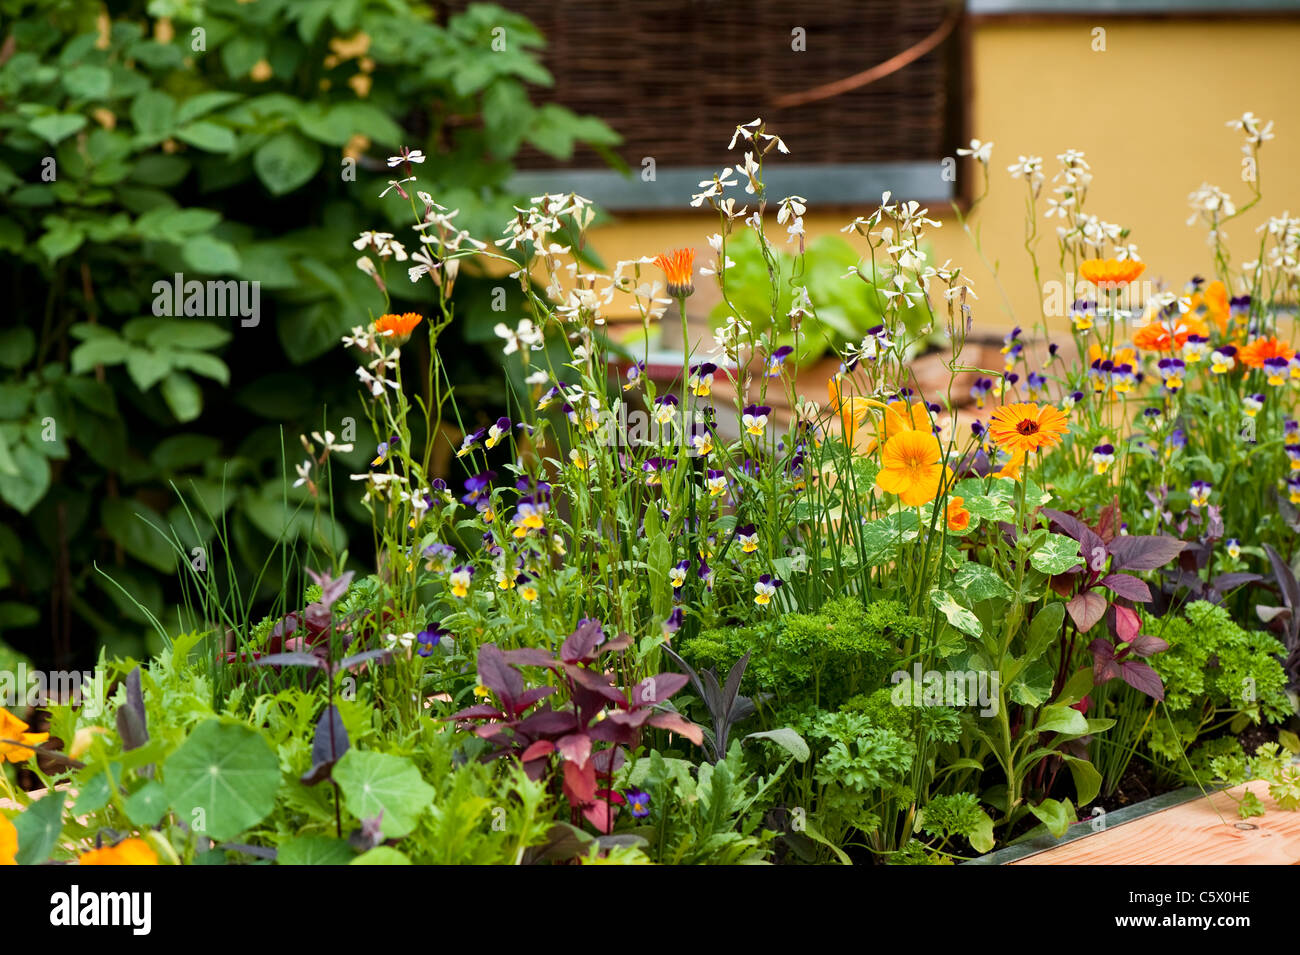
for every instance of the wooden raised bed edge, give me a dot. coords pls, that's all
(1083, 828)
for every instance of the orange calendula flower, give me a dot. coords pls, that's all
(398, 328)
(679, 267)
(910, 467)
(957, 516)
(8, 841)
(127, 852)
(1262, 349)
(13, 731)
(1110, 273)
(1023, 427)
(1214, 301)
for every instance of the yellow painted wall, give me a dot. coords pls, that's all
(1149, 112)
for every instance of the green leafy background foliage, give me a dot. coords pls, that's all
(209, 139)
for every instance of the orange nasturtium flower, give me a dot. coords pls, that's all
(679, 268)
(127, 852)
(12, 728)
(1110, 273)
(1262, 349)
(1023, 427)
(1012, 468)
(911, 466)
(957, 516)
(8, 841)
(398, 328)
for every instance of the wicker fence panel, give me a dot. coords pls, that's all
(674, 76)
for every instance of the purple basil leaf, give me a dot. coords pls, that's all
(732, 689)
(529, 657)
(1070, 526)
(1145, 645)
(131, 720)
(1144, 552)
(1128, 586)
(582, 643)
(1141, 677)
(1104, 666)
(287, 625)
(329, 745)
(1086, 609)
(332, 588)
(1226, 582)
(498, 675)
(1214, 522)
(1285, 579)
(548, 723)
(656, 689)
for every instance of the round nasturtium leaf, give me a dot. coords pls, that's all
(378, 784)
(222, 780)
(315, 850)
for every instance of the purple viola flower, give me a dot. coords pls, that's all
(633, 376)
(550, 397)
(765, 588)
(776, 360)
(639, 802)
(428, 639)
(754, 418)
(674, 622)
(655, 468)
(1276, 370)
(1200, 493)
(438, 556)
(470, 441)
(383, 450)
(478, 487)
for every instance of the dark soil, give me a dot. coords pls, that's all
(1138, 783)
